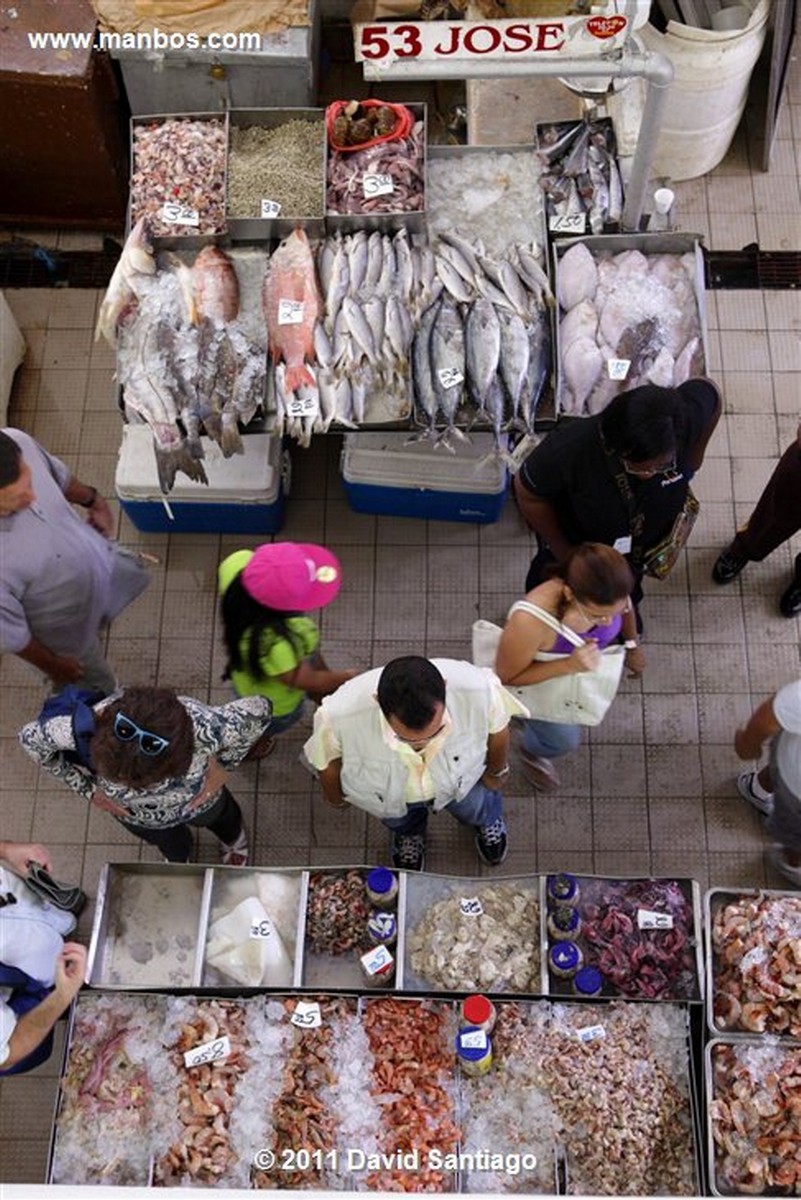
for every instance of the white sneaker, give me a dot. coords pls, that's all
(749, 788)
(780, 864)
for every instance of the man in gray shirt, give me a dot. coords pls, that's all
(61, 578)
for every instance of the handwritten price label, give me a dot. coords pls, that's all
(590, 1033)
(653, 920)
(209, 1052)
(572, 223)
(449, 377)
(377, 185)
(376, 962)
(476, 1039)
(306, 1016)
(618, 368)
(179, 214)
(307, 405)
(270, 208)
(290, 312)
(470, 906)
(261, 930)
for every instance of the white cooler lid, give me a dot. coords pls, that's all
(252, 476)
(389, 460)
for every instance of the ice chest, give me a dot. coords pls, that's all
(244, 494)
(384, 473)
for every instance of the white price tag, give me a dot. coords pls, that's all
(270, 208)
(449, 377)
(618, 368)
(377, 185)
(377, 960)
(209, 1052)
(261, 930)
(590, 1033)
(475, 1040)
(179, 214)
(470, 906)
(306, 1016)
(575, 223)
(653, 920)
(290, 312)
(307, 405)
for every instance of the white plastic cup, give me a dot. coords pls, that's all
(731, 20)
(663, 200)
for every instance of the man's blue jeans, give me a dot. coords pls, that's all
(481, 806)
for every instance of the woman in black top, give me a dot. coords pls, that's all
(567, 491)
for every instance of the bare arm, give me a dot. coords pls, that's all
(761, 726)
(19, 854)
(101, 517)
(320, 682)
(61, 668)
(331, 782)
(496, 767)
(541, 516)
(33, 1027)
(522, 638)
(696, 452)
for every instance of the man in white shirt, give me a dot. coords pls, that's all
(40, 973)
(417, 735)
(776, 790)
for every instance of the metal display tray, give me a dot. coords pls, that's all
(560, 988)
(263, 228)
(714, 899)
(112, 878)
(646, 243)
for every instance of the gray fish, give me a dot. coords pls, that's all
(375, 260)
(325, 260)
(469, 252)
(615, 192)
(482, 348)
(640, 344)
(396, 345)
(338, 286)
(554, 141)
(457, 260)
(421, 366)
(513, 289)
(357, 260)
(514, 356)
(539, 365)
(494, 411)
(533, 275)
(250, 385)
(374, 311)
(490, 292)
(230, 440)
(404, 266)
(323, 350)
(492, 270)
(359, 328)
(448, 369)
(453, 281)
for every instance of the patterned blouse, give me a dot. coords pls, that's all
(225, 733)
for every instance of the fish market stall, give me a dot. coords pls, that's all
(272, 183)
(346, 920)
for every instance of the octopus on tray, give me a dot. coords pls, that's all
(756, 943)
(755, 1114)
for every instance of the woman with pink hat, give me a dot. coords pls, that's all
(272, 643)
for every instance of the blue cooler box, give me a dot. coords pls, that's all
(386, 474)
(244, 494)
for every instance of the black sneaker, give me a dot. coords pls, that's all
(491, 842)
(727, 567)
(790, 603)
(408, 851)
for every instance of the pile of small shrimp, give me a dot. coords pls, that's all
(203, 1153)
(756, 943)
(756, 1118)
(412, 1046)
(336, 913)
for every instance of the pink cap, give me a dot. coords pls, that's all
(293, 576)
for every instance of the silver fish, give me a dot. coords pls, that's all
(533, 275)
(539, 365)
(357, 260)
(453, 281)
(457, 260)
(513, 288)
(404, 267)
(359, 328)
(448, 369)
(421, 366)
(323, 350)
(482, 349)
(470, 253)
(514, 356)
(375, 259)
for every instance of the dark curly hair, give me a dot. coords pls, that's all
(159, 711)
(10, 460)
(644, 423)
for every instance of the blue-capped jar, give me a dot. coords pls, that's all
(564, 959)
(473, 1050)
(563, 889)
(588, 981)
(564, 923)
(382, 928)
(382, 888)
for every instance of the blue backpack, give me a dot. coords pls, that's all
(75, 702)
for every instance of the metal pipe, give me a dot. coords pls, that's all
(655, 69)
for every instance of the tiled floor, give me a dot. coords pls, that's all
(651, 790)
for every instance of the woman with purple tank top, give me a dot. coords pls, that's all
(589, 593)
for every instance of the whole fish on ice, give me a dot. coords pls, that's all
(136, 260)
(291, 309)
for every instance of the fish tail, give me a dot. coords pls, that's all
(298, 376)
(166, 466)
(230, 439)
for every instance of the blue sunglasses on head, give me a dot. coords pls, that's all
(149, 743)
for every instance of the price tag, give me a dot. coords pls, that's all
(590, 1033)
(209, 1052)
(653, 920)
(307, 405)
(377, 961)
(377, 185)
(476, 1039)
(290, 312)
(306, 1016)
(270, 208)
(470, 906)
(575, 223)
(261, 930)
(449, 377)
(179, 214)
(618, 368)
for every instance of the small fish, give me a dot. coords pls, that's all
(483, 348)
(453, 281)
(456, 259)
(375, 259)
(470, 253)
(356, 246)
(421, 367)
(448, 367)
(359, 328)
(514, 356)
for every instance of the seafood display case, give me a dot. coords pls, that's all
(753, 1135)
(342, 924)
(269, 215)
(189, 927)
(637, 939)
(630, 310)
(753, 964)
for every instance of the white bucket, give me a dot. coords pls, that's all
(713, 70)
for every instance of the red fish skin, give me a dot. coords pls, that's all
(291, 276)
(216, 286)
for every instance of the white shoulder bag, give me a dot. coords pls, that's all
(581, 698)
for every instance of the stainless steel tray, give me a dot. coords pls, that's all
(562, 988)
(714, 900)
(245, 881)
(261, 228)
(337, 971)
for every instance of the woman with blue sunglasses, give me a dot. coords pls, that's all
(158, 763)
